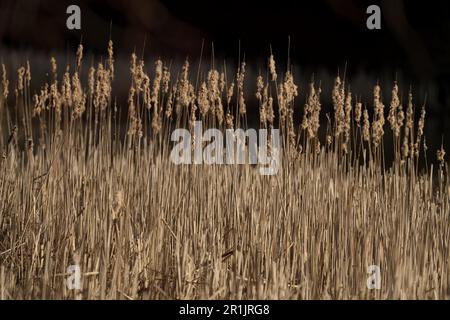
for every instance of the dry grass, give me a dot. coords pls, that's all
(82, 182)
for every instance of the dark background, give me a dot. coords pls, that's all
(413, 45)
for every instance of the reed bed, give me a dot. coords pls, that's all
(87, 180)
